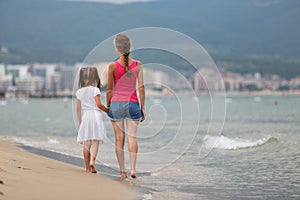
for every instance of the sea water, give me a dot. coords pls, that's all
(192, 147)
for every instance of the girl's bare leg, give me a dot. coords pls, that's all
(94, 152)
(86, 154)
(120, 139)
(131, 129)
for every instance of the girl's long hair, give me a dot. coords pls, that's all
(88, 76)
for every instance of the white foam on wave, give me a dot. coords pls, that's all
(222, 142)
(49, 142)
(52, 144)
(53, 141)
(147, 197)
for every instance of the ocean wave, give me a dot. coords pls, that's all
(36, 142)
(222, 142)
(147, 197)
(53, 144)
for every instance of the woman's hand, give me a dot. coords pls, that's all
(143, 115)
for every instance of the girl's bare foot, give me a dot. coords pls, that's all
(92, 168)
(123, 175)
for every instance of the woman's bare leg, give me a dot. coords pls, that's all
(120, 139)
(131, 129)
(94, 152)
(86, 154)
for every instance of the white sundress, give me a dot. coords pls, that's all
(92, 125)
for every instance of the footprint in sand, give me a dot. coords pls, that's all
(1, 193)
(2, 170)
(24, 168)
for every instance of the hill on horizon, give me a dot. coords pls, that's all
(242, 35)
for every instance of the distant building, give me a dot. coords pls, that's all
(5, 79)
(295, 83)
(46, 71)
(60, 80)
(17, 71)
(30, 85)
(208, 79)
(232, 81)
(67, 78)
(2, 71)
(197, 82)
(156, 80)
(55, 81)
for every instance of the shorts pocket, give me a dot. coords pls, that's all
(134, 111)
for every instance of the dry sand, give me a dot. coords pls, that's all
(26, 176)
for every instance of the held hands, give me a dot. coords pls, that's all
(106, 110)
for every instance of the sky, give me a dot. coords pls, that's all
(115, 1)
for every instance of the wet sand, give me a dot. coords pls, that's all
(28, 176)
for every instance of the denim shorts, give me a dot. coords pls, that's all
(124, 110)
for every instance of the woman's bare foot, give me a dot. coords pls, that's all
(123, 175)
(92, 168)
(133, 175)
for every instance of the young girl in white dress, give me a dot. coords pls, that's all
(88, 106)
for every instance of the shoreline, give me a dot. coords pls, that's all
(24, 175)
(105, 171)
(152, 93)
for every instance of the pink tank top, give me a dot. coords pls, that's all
(124, 86)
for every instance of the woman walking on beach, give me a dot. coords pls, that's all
(91, 127)
(125, 109)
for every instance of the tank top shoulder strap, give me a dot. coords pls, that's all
(134, 64)
(117, 64)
